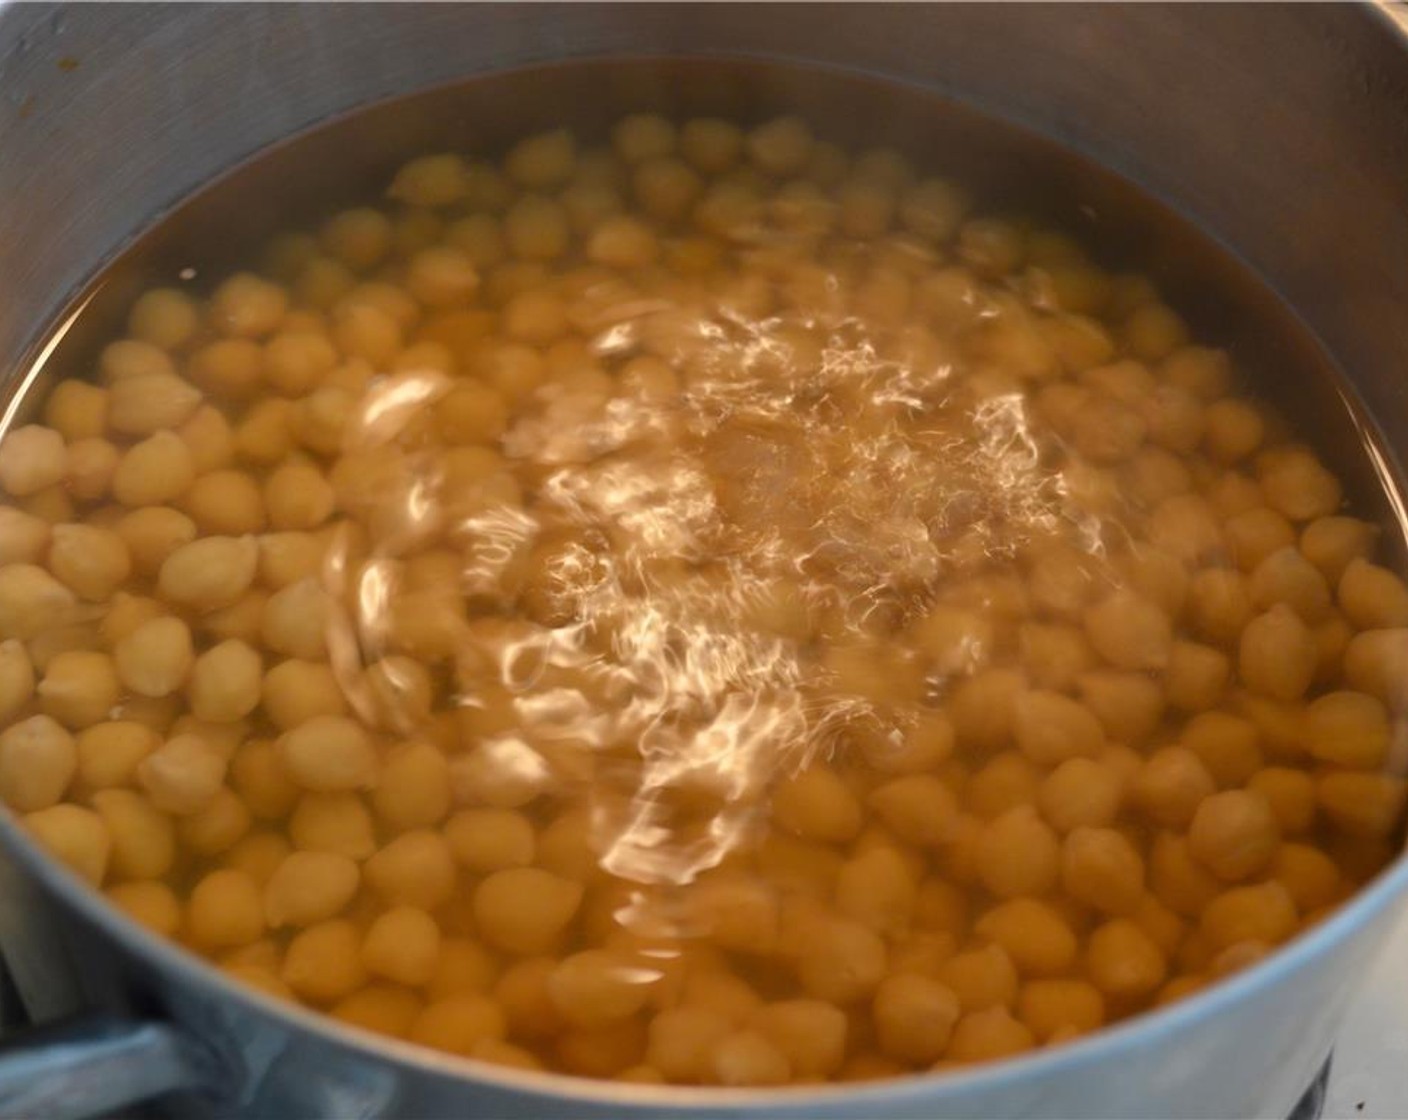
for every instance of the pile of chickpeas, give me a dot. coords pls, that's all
(1099, 684)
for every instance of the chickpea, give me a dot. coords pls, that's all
(323, 962)
(1368, 805)
(24, 538)
(877, 890)
(1228, 746)
(209, 573)
(1234, 834)
(1220, 604)
(150, 904)
(1036, 938)
(740, 912)
(980, 978)
(1263, 913)
(1051, 728)
(225, 911)
(31, 458)
(402, 945)
(143, 839)
(1298, 486)
(218, 828)
(981, 708)
(681, 1041)
(224, 682)
(294, 692)
(1375, 661)
(919, 808)
(1331, 543)
(1007, 781)
(1081, 792)
(1129, 632)
(1171, 785)
(383, 1008)
(76, 837)
(984, 1036)
(1123, 962)
(816, 804)
(38, 760)
(914, 1017)
(811, 1033)
(1309, 876)
(416, 868)
(79, 688)
(1017, 854)
(1100, 867)
(156, 657)
(182, 775)
(842, 962)
(332, 822)
(748, 1058)
(1049, 1006)
(1277, 654)
(597, 987)
(1286, 576)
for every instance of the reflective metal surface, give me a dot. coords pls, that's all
(1283, 131)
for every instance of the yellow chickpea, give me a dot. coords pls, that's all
(402, 945)
(1050, 1006)
(1122, 961)
(416, 868)
(77, 411)
(32, 458)
(1081, 792)
(817, 804)
(984, 1036)
(1017, 854)
(1296, 484)
(225, 911)
(748, 1058)
(1367, 805)
(383, 1008)
(877, 889)
(143, 839)
(1227, 745)
(1331, 543)
(224, 682)
(150, 904)
(294, 692)
(1277, 654)
(597, 987)
(38, 760)
(980, 978)
(182, 775)
(248, 306)
(1038, 940)
(1129, 631)
(218, 827)
(1220, 605)
(323, 962)
(110, 752)
(919, 808)
(79, 688)
(209, 573)
(1310, 876)
(1101, 868)
(1234, 834)
(1051, 728)
(75, 836)
(333, 822)
(1263, 913)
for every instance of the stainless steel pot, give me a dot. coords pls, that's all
(1282, 131)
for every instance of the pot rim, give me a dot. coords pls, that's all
(1145, 1030)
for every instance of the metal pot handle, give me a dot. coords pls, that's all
(91, 1065)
